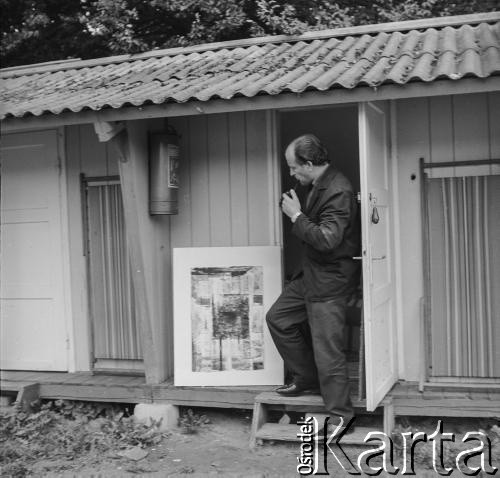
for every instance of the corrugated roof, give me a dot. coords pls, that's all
(343, 58)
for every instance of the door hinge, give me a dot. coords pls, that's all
(358, 197)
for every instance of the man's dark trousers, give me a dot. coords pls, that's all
(326, 359)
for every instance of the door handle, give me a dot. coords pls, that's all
(381, 258)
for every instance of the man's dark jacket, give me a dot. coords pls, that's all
(330, 232)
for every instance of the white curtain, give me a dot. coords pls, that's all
(464, 243)
(115, 328)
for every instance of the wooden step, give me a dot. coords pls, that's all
(278, 432)
(262, 429)
(316, 401)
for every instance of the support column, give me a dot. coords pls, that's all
(131, 141)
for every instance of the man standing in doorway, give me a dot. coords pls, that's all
(317, 295)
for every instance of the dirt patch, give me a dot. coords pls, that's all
(92, 440)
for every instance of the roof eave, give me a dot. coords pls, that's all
(260, 102)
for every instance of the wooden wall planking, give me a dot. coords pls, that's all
(412, 144)
(93, 159)
(238, 180)
(181, 224)
(218, 180)
(223, 199)
(445, 128)
(224, 181)
(471, 135)
(494, 128)
(440, 125)
(470, 119)
(257, 173)
(78, 273)
(200, 199)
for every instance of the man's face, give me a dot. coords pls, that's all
(301, 172)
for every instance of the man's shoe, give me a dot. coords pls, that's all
(294, 390)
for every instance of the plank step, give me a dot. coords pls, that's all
(273, 398)
(278, 432)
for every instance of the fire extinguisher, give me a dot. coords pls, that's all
(164, 172)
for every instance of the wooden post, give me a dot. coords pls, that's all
(389, 418)
(27, 395)
(259, 418)
(132, 146)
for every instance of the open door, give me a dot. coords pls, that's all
(377, 246)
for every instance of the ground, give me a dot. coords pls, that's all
(219, 447)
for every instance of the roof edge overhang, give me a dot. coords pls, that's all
(426, 23)
(282, 101)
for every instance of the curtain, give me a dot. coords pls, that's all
(464, 243)
(115, 328)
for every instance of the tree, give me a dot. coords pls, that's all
(46, 30)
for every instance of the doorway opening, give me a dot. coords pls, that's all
(116, 344)
(337, 128)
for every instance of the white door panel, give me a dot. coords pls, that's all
(378, 281)
(32, 321)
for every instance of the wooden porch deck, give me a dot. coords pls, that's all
(446, 400)
(87, 386)
(109, 387)
(407, 400)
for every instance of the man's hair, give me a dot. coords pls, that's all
(309, 148)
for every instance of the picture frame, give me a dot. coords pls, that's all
(221, 297)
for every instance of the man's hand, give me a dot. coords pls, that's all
(290, 205)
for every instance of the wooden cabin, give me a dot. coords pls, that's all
(409, 111)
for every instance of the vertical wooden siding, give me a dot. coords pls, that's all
(447, 128)
(224, 197)
(224, 189)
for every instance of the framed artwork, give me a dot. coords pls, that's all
(221, 296)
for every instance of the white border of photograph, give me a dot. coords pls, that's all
(186, 259)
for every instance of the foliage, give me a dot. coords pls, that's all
(45, 30)
(67, 431)
(191, 422)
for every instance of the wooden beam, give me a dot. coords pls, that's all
(282, 101)
(96, 393)
(134, 183)
(447, 407)
(107, 130)
(205, 397)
